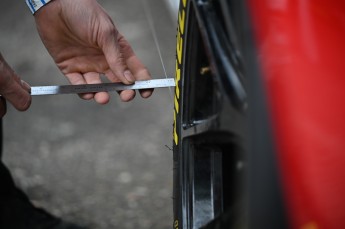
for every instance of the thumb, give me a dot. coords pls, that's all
(12, 88)
(17, 93)
(116, 59)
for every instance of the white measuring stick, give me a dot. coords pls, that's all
(87, 88)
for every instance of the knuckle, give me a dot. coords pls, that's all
(108, 31)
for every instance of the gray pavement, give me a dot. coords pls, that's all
(101, 166)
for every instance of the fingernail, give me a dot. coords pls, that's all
(129, 76)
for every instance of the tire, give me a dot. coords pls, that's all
(208, 134)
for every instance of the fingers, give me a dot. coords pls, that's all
(77, 79)
(123, 65)
(89, 78)
(94, 78)
(127, 95)
(135, 66)
(13, 89)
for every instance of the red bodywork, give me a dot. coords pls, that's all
(301, 49)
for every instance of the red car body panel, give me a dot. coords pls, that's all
(301, 51)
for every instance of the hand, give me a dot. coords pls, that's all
(83, 41)
(13, 89)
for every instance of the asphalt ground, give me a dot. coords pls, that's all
(102, 166)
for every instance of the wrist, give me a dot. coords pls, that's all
(35, 5)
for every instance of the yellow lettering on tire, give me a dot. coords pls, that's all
(176, 224)
(179, 62)
(181, 19)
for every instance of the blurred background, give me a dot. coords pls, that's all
(104, 166)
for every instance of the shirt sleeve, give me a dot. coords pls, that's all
(35, 5)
